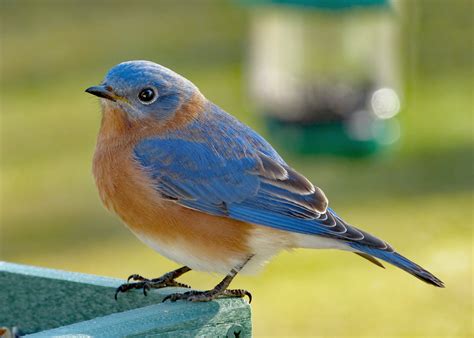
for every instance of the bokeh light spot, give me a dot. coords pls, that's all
(385, 103)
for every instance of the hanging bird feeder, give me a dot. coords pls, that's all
(324, 73)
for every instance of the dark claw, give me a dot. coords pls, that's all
(136, 277)
(131, 277)
(248, 294)
(117, 291)
(146, 288)
(166, 298)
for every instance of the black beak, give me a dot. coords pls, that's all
(102, 91)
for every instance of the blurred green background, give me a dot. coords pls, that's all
(419, 198)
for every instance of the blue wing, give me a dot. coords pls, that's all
(222, 167)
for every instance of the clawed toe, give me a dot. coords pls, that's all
(240, 293)
(206, 296)
(169, 279)
(117, 291)
(136, 277)
(146, 284)
(180, 296)
(173, 283)
(122, 288)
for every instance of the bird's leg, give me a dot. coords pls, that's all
(219, 290)
(168, 279)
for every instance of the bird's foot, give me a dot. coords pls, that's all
(146, 284)
(207, 296)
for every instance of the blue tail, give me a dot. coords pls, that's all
(400, 262)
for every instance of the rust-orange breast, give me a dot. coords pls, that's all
(126, 190)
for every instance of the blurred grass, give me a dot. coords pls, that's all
(419, 197)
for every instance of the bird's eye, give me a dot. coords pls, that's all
(147, 95)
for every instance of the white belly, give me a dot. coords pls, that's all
(264, 243)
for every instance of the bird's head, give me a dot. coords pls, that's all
(144, 89)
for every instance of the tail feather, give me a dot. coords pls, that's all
(370, 259)
(401, 262)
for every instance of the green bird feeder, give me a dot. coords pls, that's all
(324, 74)
(39, 302)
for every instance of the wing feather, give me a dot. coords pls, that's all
(246, 181)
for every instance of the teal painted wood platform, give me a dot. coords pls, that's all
(42, 302)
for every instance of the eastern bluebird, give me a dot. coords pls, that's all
(205, 190)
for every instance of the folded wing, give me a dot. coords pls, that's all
(245, 183)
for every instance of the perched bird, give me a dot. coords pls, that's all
(205, 190)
